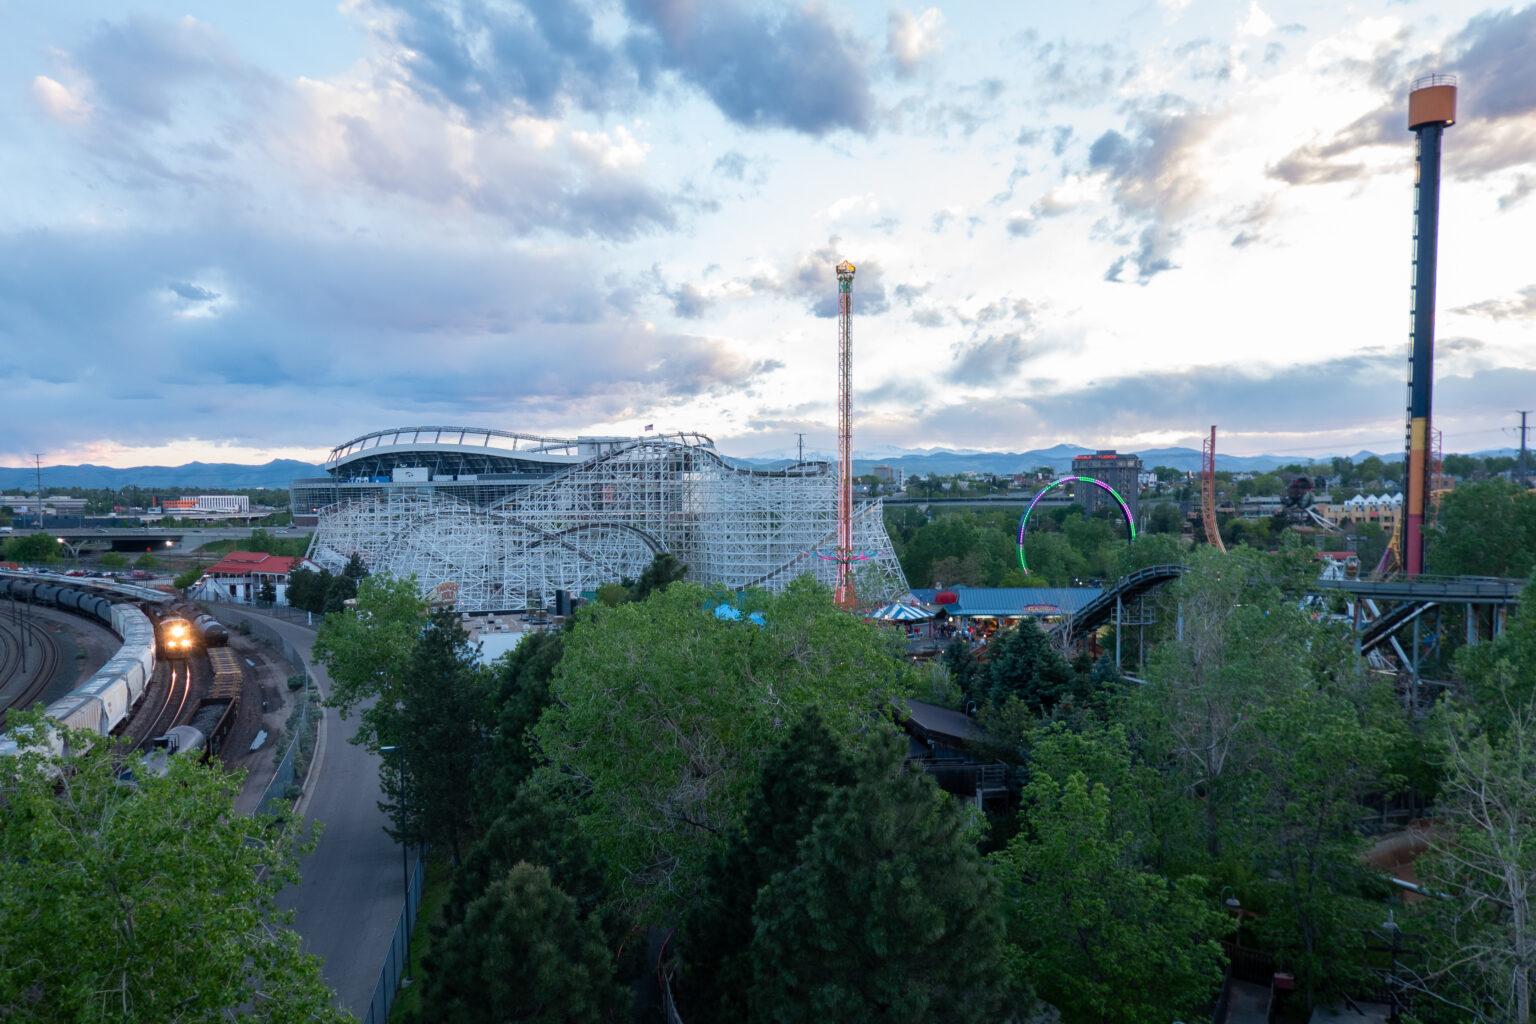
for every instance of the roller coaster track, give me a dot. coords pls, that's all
(1099, 611)
(24, 678)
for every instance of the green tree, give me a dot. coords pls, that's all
(116, 560)
(1025, 665)
(610, 594)
(304, 589)
(889, 913)
(355, 570)
(184, 580)
(1165, 518)
(523, 954)
(1103, 938)
(34, 548)
(338, 592)
(520, 682)
(663, 571)
(266, 594)
(1485, 529)
(1483, 948)
(804, 768)
(368, 650)
(146, 561)
(100, 921)
(661, 712)
(440, 724)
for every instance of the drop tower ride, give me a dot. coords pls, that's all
(844, 595)
(1431, 110)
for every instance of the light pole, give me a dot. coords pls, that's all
(405, 868)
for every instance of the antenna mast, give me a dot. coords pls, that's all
(844, 593)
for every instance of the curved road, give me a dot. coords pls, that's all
(351, 890)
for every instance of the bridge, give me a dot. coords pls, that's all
(1411, 598)
(78, 539)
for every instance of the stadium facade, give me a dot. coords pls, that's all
(507, 519)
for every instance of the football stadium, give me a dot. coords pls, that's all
(505, 519)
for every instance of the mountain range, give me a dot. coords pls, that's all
(279, 473)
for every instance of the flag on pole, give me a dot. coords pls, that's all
(650, 426)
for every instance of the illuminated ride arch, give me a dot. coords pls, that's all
(1130, 521)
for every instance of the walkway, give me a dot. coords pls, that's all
(349, 897)
(1247, 1003)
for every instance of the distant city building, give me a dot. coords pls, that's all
(54, 504)
(896, 476)
(208, 503)
(1118, 471)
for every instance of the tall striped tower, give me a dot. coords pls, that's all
(845, 556)
(1431, 110)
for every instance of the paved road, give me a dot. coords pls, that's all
(351, 892)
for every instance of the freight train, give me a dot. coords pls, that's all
(102, 702)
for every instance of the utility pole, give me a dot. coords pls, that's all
(1523, 477)
(37, 457)
(802, 446)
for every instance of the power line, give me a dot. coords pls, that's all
(1524, 479)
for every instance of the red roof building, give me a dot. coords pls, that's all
(239, 576)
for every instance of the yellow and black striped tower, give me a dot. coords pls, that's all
(1431, 110)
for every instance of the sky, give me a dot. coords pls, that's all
(237, 232)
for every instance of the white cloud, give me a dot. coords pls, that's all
(1257, 23)
(60, 103)
(912, 39)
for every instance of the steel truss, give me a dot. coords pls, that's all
(607, 518)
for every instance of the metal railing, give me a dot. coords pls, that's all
(388, 986)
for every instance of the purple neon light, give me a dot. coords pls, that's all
(1024, 520)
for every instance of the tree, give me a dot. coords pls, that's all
(1103, 938)
(267, 593)
(33, 548)
(661, 712)
(663, 571)
(1485, 952)
(151, 902)
(1485, 529)
(1024, 664)
(799, 775)
(520, 682)
(1165, 518)
(184, 580)
(889, 913)
(146, 561)
(367, 651)
(523, 954)
(610, 594)
(338, 592)
(355, 570)
(439, 720)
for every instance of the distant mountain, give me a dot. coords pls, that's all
(278, 473)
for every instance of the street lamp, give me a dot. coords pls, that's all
(405, 869)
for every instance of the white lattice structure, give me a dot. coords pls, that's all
(605, 518)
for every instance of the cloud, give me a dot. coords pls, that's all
(329, 338)
(763, 66)
(810, 279)
(1496, 101)
(1075, 74)
(1523, 307)
(731, 165)
(1524, 185)
(986, 361)
(59, 102)
(1154, 177)
(1020, 224)
(910, 39)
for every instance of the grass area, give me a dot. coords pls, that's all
(439, 878)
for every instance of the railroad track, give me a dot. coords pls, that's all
(183, 678)
(25, 672)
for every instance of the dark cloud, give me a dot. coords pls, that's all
(689, 301)
(928, 316)
(191, 292)
(1060, 136)
(990, 360)
(1496, 56)
(1349, 393)
(1522, 307)
(311, 340)
(779, 66)
(764, 67)
(1154, 177)
(1020, 225)
(1524, 185)
(532, 56)
(906, 293)
(732, 165)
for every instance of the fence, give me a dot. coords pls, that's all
(388, 985)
